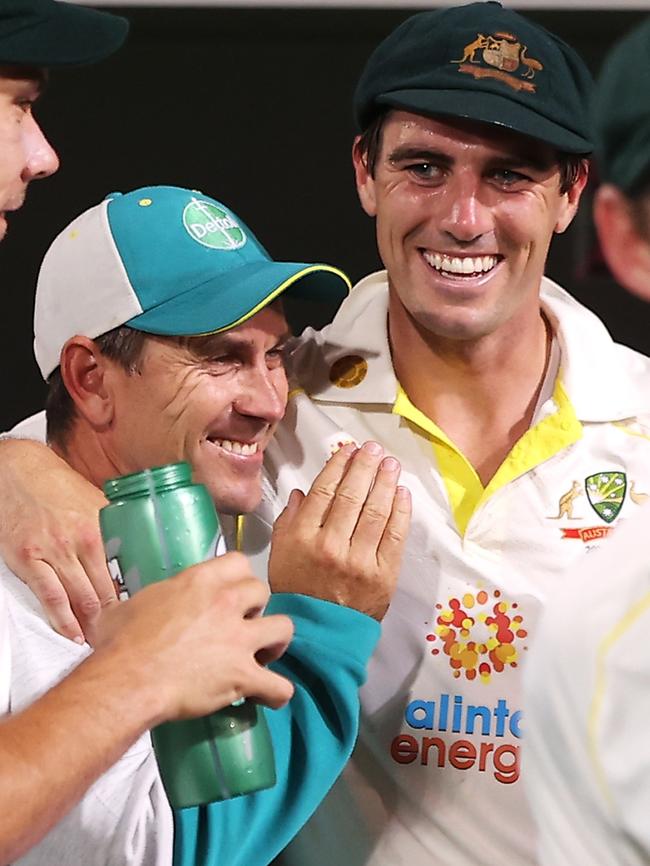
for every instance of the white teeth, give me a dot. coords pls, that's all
(457, 265)
(237, 447)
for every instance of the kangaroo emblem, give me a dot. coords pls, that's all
(532, 65)
(470, 50)
(565, 505)
(638, 498)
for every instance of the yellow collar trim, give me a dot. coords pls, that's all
(464, 488)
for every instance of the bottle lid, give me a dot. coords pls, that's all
(153, 480)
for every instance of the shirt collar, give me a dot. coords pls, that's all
(349, 361)
(604, 380)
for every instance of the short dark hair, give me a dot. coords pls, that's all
(369, 145)
(123, 345)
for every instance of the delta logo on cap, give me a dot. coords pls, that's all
(502, 54)
(212, 226)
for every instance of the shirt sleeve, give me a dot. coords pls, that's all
(313, 737)
(33, 427)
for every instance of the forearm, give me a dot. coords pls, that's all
(55, 749)
(313, 737)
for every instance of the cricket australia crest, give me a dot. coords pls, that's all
(606, 492)
(501, 56)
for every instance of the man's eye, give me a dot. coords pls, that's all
(509, 177)
(424, 170)
(277, 355)
(25, 105)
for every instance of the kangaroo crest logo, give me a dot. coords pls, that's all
(502, 55)
(606, 492)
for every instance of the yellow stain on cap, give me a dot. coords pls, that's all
(74, 234)
(348, 371)
(145, 202)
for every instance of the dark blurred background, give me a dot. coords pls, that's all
(251, 106)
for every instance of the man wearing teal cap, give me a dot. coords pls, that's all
(51, 753)
(160, 329)
(588, 694)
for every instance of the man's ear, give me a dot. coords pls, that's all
(625, 249)
(86, 376)
(571, 199)
(365, 181)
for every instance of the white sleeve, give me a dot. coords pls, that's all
(124, 819)
(29, 428)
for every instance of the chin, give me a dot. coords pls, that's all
(236, 501)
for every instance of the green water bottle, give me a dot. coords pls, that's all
(156, 524)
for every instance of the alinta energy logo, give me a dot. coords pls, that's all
(212, 225)
(481, 634)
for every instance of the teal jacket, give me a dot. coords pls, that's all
(313, 737)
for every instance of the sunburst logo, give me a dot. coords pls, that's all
(481, 634)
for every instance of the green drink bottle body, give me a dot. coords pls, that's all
(156, 524)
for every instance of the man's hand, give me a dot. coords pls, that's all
(196, 642)
(343, 541)
(50, 538)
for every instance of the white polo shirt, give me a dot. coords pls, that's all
(124, 818)
(436, 774)
(587, 749)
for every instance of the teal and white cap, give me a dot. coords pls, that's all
(163, 260)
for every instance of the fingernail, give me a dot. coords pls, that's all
(403, 492)
(79, 639)
(372, 448)
(389, 464)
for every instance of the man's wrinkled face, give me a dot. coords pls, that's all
(465, 213)
(25, 153)
(215, 404)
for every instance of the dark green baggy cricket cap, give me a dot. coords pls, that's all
(486, 63)
(621, 112)
(53, 33)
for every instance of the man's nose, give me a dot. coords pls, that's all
(41, 159)
(263, 394)
(466, 217)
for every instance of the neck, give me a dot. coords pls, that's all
(83, 452)
(482, 393)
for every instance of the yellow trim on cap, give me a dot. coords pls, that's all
(608, 642)
(312, 269)
(464, 487)
(294, 393)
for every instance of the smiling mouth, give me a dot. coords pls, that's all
(461, 266)
(245, 449)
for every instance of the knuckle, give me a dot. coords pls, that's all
(395, 535)
(28, 553)
(89, 540)
(88, 605)
(322, 490)
(349, 496)
(51, 595)
(328, 550)
(374, 513)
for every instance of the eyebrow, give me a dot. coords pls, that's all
(211, 344)
(517, 160)
(31, 79)
(406, 152)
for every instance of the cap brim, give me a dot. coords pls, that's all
(230, 299)
(69, 35)
(489, 108)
